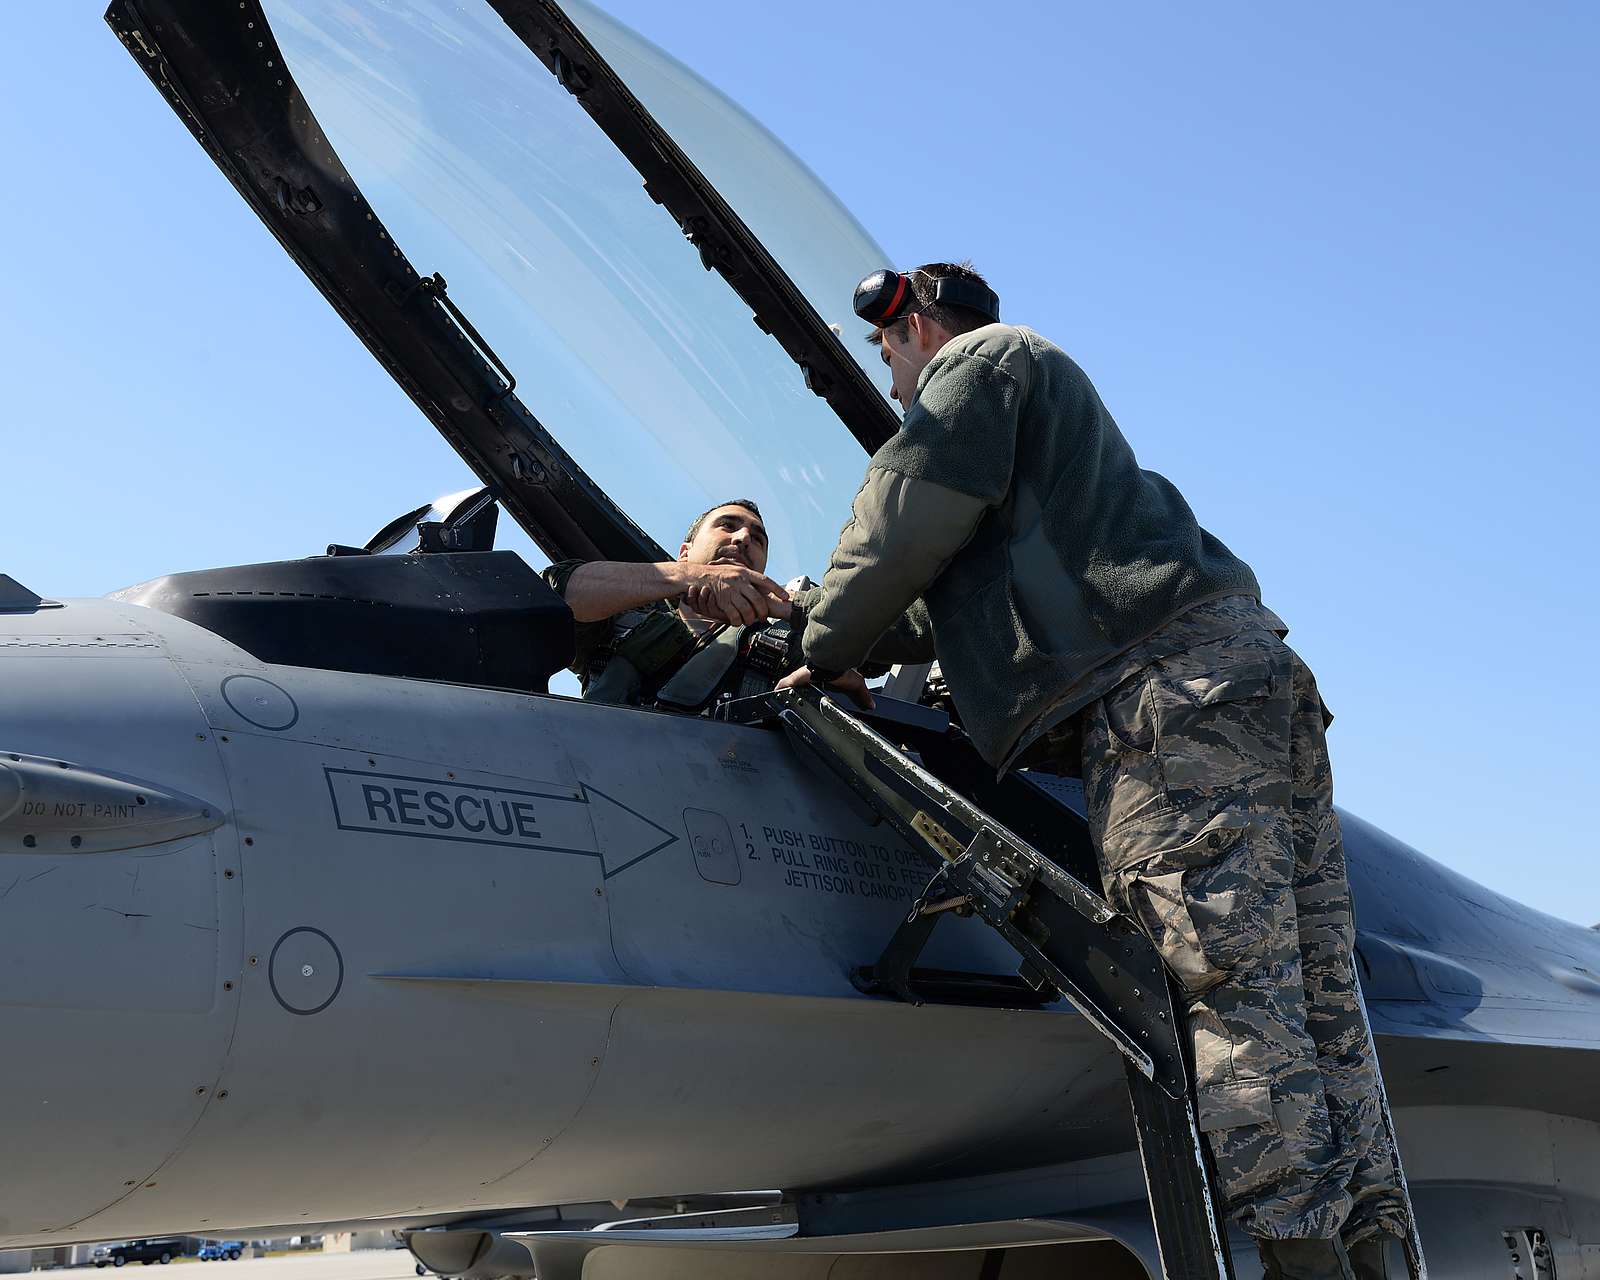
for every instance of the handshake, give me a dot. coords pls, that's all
(739, 596)
(732, 593)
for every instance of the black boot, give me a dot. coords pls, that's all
(1304, 1260)
(1371, 1259)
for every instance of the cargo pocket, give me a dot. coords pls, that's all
(1240, 681)
(1234, 1104)
(1221, 715)
(1212, 903)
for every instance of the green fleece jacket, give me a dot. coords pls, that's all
(1011, 504)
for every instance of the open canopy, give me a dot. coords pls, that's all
(495, 146)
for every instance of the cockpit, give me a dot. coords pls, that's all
(427, 597)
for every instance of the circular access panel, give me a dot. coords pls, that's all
(261, 702)
(305, 970)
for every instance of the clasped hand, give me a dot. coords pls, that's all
(735, 594)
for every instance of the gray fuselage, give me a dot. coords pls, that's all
(452, 949)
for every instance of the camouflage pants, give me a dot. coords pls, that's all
(1210, 800)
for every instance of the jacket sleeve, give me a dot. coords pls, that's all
(902, 532)
(924, 495)
(588, 637)
(556, 575)
(909, 637)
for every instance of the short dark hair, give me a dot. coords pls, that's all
(700, 519)
(956, 320)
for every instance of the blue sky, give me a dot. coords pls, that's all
(1334, 271)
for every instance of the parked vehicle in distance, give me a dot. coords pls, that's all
(162, 1249)
(221, 1251)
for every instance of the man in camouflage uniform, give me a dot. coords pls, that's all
(1079, 610)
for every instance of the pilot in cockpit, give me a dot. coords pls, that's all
(681, 633)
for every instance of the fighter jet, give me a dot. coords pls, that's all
(318, 910)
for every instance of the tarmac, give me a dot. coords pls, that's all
(1090, 1261)
(361, 1264)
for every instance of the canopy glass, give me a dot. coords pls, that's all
(645, 366)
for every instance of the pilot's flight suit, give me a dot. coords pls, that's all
(652, 656)
(1079, 609)
(631, 657)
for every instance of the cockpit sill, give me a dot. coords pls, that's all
(221, 70)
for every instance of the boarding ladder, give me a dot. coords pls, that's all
(1072, 943)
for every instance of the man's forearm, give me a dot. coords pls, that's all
(603, 588)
